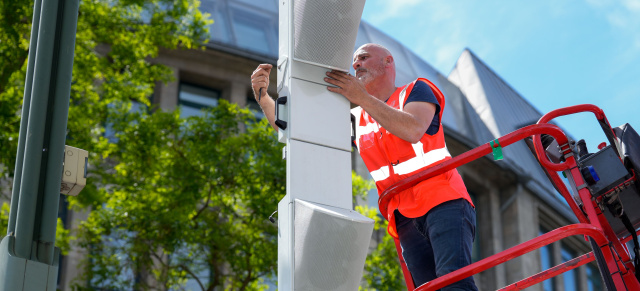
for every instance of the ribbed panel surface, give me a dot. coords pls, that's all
(325, 31)
(330, 247)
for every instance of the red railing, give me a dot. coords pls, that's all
(592, 222)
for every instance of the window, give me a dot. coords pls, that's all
(570, 277)
(270, 5)
(253, 31)
(219, 29)
(546, 262)
(192, 99)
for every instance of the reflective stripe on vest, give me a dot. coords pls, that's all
(402, 97)
(380, 174)
(421, 159)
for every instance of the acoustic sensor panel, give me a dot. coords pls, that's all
(325, 31)
(330, 247)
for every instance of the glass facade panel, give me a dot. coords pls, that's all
(271, 5)
(192, 99)
(219, 29)
(254, 31)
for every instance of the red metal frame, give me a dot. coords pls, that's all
(551, 272)
(592, 222)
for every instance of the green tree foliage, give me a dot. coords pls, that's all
(116, 41)
(188, 198)
(15, 26)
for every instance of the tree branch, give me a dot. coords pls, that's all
(206, 204)
(248, 279)
(192, 275)
(213, 262)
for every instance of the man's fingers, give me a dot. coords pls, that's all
(259, 84)
(333, 82)
(266, 67)
(334, 89)
(259, 72)
(339, 75)
(333, 75)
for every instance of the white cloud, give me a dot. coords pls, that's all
(632, 5)
(620, 14)
(617, 19)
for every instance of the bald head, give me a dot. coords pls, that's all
(375, 67)
(373, 50)
(375, 47)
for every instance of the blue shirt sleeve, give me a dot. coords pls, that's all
(422, 92)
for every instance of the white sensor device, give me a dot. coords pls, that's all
(74, 173)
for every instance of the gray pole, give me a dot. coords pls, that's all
(17, 176)
(58, 124)
(34, 144)
(28, 259)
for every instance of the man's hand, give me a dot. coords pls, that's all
(260, 80)
(347, 86)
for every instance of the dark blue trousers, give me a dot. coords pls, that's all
(438, 242)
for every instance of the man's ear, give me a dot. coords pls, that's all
(388, 60)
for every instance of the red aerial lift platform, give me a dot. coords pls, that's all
(592, 204)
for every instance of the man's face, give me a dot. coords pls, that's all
(368, 62)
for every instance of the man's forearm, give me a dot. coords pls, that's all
(269, 109)
(400, 123)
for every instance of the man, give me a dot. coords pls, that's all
(399, 133)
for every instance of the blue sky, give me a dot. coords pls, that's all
(555, 53)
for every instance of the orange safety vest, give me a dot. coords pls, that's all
(390, 159)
